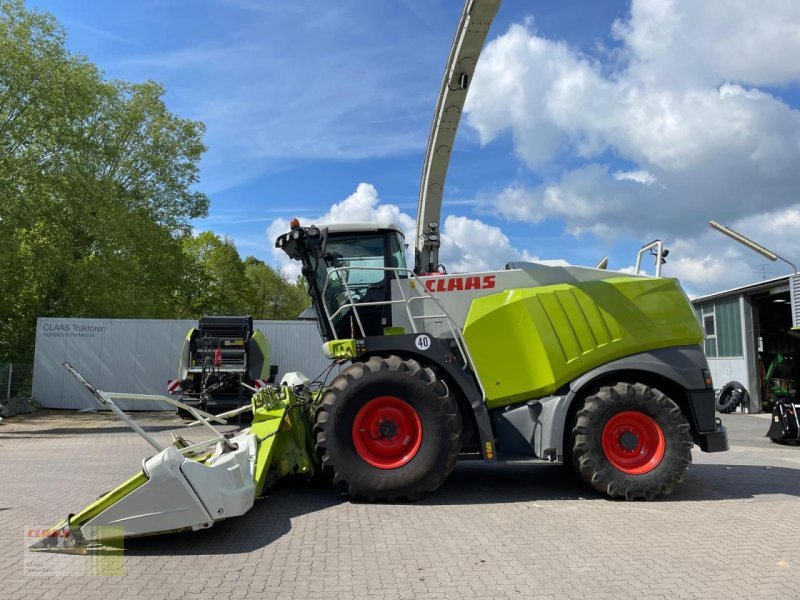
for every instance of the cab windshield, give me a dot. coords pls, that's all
(353, 265)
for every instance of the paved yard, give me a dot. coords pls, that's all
(731, 531)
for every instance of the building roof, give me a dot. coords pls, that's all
(759, 286)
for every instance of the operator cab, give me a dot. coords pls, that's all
(346, 266)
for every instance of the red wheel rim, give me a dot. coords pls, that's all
(633, 442)
(387, 432)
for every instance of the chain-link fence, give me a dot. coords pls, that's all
(15, 380)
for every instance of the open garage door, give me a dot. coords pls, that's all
(778, 343)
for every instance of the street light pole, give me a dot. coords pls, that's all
(748, 243)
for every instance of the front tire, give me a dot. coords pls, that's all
(631, 441)
(388, 429)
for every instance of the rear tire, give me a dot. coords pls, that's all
(388, 429)
(631, 441)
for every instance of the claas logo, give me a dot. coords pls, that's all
(458, 284)
(40, 533)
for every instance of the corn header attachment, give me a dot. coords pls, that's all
(189, 486)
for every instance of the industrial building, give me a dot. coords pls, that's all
(753, 337)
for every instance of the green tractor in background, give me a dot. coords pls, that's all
(777, 383)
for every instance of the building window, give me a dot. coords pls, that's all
(721, 321)
(710, 329)
(728, 325)
(708, 324)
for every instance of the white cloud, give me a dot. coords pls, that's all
(467, 244)
(510, 92)
(640, 176)
(631, 269)
(702, 42)
(364, 205)
(472, 245)
(584, 198)
(679, 103)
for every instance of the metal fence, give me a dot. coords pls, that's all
(15, 380)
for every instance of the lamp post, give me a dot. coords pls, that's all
(748, 243)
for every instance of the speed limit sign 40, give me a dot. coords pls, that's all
(423, 342)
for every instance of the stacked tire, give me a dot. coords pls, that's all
(731, 396)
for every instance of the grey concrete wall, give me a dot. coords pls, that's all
(140, 355)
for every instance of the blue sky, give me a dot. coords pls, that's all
(592, 127)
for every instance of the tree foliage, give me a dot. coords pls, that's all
(226, 284)
(97, 191)
(271, 295)
(221, 286)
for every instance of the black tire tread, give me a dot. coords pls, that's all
(594, 468)
(724, 406)
(338, 393)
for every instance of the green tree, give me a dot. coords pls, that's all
(221, 287)
(271, 296)
(97, 188)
